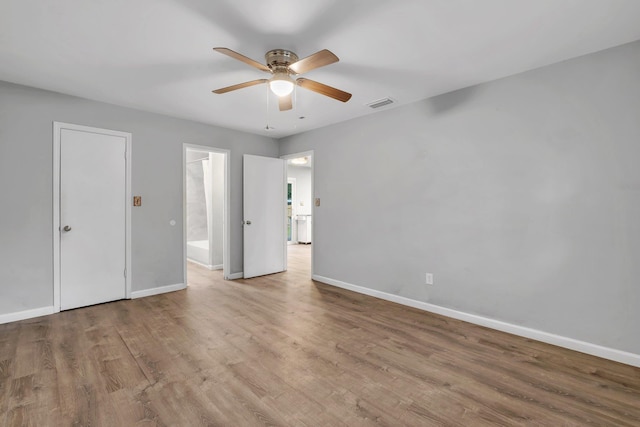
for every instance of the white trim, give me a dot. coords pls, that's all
(310, 154)
(201, 264)
(184, 214)
(56, 216)
(226, 254)
(285, 250)
(57, 128)
(128, 207)
(207, 266)
(26, 314)
(226, 236)
(159, 290)
(546, 337)
(234, 276)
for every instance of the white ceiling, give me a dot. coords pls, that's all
(156, 55)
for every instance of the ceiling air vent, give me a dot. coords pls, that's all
(380, 103)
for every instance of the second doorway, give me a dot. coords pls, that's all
(205, 187)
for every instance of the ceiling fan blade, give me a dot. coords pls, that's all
(242, 58)
(240, 86)
(285, 103)
(317, 60)
(323, 89)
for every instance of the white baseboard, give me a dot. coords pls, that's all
(234, 276)
(570, 343)
(159, 290)
(26, 314)
(207, 266)
(201, 264)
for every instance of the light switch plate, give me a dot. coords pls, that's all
(317, 201)
(137, 200)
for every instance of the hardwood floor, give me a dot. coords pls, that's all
(283, 350)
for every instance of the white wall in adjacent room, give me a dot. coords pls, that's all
(303, 188)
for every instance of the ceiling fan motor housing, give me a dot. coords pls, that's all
(280, 59)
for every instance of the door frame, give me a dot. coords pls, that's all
(311, 154)
(226, 238)
(57, 130)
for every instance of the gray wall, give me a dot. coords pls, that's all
(26, 241)
(522, 196)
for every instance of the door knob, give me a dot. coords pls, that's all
(67, 228)
(248, 222)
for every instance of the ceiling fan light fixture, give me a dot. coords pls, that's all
(281, 84)
(284, 67)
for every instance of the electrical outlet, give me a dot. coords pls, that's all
(429, 279)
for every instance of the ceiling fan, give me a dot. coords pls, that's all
(283, 64)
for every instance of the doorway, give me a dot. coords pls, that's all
(300, 205)
(206, 208)
(91, 215)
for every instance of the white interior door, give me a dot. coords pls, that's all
(264, 186)
(92, 218)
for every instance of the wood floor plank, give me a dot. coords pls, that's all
(284, 350)
(9, 336)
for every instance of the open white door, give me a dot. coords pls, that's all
(264, 182)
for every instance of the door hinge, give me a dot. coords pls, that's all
(125, 273)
